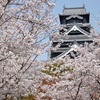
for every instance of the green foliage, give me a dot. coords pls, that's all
(29, 97)
(55, 69)
(48, 72)
(69, 69)
(8, 98)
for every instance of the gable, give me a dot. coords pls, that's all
(77, 30)
(73, 48)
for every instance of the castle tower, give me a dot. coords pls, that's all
(75, 30)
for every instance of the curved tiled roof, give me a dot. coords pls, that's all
(75, 27)
(63, 54)
(71, 11)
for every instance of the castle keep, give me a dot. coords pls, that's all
(75, 30)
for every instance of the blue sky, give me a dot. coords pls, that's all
(92, 6)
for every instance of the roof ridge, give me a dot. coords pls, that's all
(75, 8)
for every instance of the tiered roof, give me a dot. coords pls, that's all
(75, 27)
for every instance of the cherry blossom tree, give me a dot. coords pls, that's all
(24, 28)
(75, 79)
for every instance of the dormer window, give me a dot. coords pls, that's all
(74, 20)
(74, 16)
